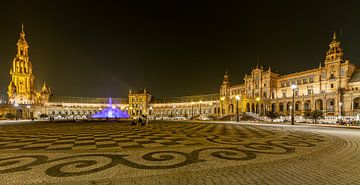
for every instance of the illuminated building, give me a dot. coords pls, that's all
(333, 87)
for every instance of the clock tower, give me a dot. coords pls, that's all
(21, 89)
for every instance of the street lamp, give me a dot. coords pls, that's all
(200, 106)
(340, 105)
(293, 87)
(237, 107)
(192, 109)
(258, 106)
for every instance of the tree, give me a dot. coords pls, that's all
(43, 116)
(314, 115)
(9, 116)
(272, 115)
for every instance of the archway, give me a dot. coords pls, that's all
(273, 107)
(356, 103)
(307, 106)
(281, 107)
(319, 104)
(330, 105)
(248, 107)
(297, 106)
(288, 105)
(253, 108)
(231, 108)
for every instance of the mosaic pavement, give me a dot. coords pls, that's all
(119, 153)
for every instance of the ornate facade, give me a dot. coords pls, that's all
(21, 89)
(333, 87)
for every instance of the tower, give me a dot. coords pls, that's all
(335, 52)
(225, 94)
(21, 89)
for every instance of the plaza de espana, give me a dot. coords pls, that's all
(333, 88)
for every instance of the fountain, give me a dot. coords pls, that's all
(111, 112)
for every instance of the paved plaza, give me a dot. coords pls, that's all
(177, 153)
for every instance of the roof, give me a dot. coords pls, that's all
(355, 76)
(181, 99)
(89, 100)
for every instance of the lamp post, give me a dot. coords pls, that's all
(200, 106)
(192, 109)
(28, 107)
(340, 105)
(237, 107)
(258, 107)
(293, 87)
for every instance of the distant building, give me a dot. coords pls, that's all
(333, 87)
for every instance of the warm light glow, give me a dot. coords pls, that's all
(200, 101)
(151, 108)
(174, 106)
(100, 108)
(257, 99)
(293, 86)
(192, 103)
(340, 104)
(16, 105)
(211, 104)
(237, 97)
(223, 98)
(28, 106)
(113, 106)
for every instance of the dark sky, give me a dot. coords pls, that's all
(103, 48)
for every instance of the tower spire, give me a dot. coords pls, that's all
(334, 36)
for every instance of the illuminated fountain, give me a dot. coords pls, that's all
(111, 112)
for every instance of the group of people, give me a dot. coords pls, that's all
(348, 122)
(140, 121)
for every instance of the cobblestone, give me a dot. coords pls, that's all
(221, 154)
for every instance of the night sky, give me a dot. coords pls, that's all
(172, 48)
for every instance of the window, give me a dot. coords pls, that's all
(282, 84)
(296, 93)
(298, 82)
(311, 80)
(305, 81)
(332, 86)
(284, 94)
(323, 76)
(287, 83)
(309, 91)
(332, 76)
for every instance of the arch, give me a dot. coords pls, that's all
(330, 105)
(257, 108)
(215, 110)
(273, 107)
(281, 107)
(253, 108)
(248, 107)
(288, 105)
(231, 108)
(307, 106)
(319, 104)
(356, 103)
(297, 106)
(262, 109)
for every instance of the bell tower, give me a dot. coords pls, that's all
(21, 89)
(335, 52)
(225, 94)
